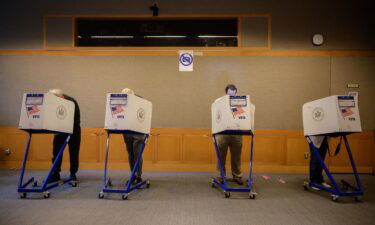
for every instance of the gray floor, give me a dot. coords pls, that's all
(183, 198)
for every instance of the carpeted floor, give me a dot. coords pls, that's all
(183, 198)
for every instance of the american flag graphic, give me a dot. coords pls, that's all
(346, 112)
(32, 109)
(116, 109)
(237, 111)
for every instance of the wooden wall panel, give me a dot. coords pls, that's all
(296, 149)
(90, 147)
(171, 149)
(362, 148)
(117, 149)
(269, 149)
(41, 147)
(196, 148)
(16, 141)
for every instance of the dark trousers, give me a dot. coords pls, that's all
(134, 145)
(74, 145)
(316, 169)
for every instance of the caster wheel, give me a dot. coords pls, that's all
(23, 195)
(74, 184)
(46, 194)
(305, 186)
(358, 198)
(227, 194)
(101, 195)
(148, 184)
(213, 185)
(334, 198)
(125, 197)
(252, 195)
(35, 184)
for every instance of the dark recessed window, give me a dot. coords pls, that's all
(156, 32)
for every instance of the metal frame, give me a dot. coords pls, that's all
(335, 191)
(224, 185)
(128, 187)
(23, 188)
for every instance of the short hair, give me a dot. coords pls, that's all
(56, 91)
(127, 91)
(230, 86)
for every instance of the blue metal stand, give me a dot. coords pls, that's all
(335, 191)
(44, 187)
(128, 186)
(224, 184)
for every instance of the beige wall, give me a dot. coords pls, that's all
(277, 85)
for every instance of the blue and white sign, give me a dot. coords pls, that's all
(185, 60)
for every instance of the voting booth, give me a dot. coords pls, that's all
(44, 113)
(126, 114)
(233, 115)
(330, 115)
(333, 116)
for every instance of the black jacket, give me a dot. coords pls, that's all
(77, 114)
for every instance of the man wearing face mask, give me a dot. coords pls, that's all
(74, 142)
(234, 142)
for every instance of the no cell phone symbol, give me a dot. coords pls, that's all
(186, 59)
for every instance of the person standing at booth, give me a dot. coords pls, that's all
(74, 142)
(316, 169)
(234, 142)
(134, 144)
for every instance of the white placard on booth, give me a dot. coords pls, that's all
(128, 112)
(230, 113)
(46, 112)
(333, 114)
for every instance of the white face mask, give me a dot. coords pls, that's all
(231, 92)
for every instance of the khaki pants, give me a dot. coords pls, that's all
(234, 142)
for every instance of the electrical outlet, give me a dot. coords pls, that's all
(352, 85)
(306, 154)
(7, 151)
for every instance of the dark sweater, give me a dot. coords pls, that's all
(77, 114)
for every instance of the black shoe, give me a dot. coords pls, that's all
(137, 180)
(73, 177)
(54, 178)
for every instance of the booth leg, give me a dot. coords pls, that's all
(59, 155)
(223, 184)
(359, 185)
(20, 181)
(252, 193)
(335, 191)
(128, 185)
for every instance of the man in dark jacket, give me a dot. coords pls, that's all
(74, 142)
